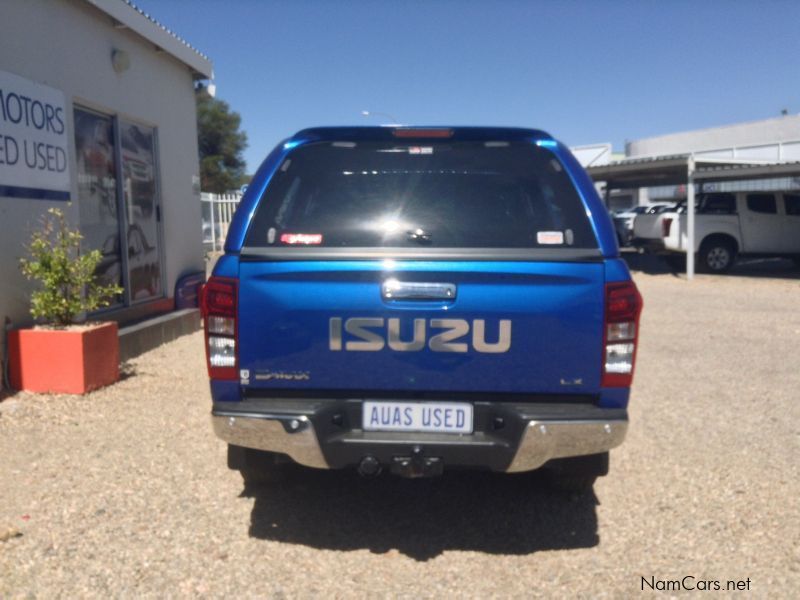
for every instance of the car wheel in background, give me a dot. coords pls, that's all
(717, 255)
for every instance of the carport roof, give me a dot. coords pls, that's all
(673, 170)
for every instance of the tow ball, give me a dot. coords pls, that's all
(417, 465)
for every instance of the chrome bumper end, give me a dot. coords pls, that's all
(293, 436)
(544, 440)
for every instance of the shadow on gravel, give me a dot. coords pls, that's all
(776, 268)
(647, 263)
(498, 514)
(126, 370)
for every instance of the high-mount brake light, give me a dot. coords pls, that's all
(218, 302)
(422, 133)
(620, 333)
(666, 225)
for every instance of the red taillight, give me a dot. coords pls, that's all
(666, 225)
(218, 300)
(423, 133)
(620, 333)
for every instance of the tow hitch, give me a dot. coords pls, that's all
(417, 465)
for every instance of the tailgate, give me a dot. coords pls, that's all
(647, 227)
(515, 327)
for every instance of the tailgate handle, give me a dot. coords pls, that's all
(407, 290)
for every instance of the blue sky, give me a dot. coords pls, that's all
(591, 71)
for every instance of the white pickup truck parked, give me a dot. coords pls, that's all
(727, 225)
(623, 220)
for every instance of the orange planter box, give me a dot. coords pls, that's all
(64, 361)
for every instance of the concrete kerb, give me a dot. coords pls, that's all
(142, 337)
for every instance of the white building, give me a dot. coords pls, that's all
(97, 117)
(769, 140)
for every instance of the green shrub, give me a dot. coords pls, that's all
(67, 276)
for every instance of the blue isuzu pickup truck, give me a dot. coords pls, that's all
(415, 299)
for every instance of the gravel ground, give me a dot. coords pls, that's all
(125, 492)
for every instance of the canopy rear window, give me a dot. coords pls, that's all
(440, 194)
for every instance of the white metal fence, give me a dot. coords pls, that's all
(217, 211)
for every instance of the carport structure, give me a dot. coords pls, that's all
(686, 169)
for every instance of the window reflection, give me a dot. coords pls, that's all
(97, 192)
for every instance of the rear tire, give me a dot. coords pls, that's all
(259, 467)
(717, 255)
(576, 474)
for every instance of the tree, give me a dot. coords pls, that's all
(220, 143)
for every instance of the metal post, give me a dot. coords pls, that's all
(213, 228)
(690, 218)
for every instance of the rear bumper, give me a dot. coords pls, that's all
(652, 245)
(508, 437)
(649, 244)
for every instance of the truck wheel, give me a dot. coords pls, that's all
(716, 255)
(576, 474)
(259, 467)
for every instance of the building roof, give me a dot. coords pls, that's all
(126, 15)
(746, 172)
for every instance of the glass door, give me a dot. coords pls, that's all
(97, 193)
(142, 211)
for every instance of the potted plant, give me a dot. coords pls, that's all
(60, 354)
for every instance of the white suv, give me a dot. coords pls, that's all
(728, 225)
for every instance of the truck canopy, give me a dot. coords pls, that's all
(408, 261)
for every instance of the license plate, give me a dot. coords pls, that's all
(438, 417)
